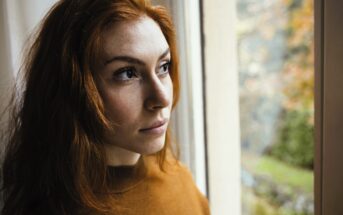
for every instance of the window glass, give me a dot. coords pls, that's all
(276, 78)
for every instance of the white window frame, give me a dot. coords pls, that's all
(222, 106)
(188, 119)
(222, 102)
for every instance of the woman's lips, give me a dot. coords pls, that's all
(158, 127)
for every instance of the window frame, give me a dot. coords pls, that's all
(188, 118)
(328, 106)
(222, 106)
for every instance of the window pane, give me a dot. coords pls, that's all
(276, 77)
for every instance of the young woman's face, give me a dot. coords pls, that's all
(135, 85)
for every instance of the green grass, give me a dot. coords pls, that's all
(284, 173)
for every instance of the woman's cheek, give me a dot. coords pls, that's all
(122, 106)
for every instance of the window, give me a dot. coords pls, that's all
(223, 151)
(188, 119)
(276, 80)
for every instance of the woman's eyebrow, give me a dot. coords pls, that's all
(134, 60)
(126, 59)
(164, 54)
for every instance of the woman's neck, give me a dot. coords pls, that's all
(117, 156)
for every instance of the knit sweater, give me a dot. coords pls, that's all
(147, 190)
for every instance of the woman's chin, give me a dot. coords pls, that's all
(151, 147)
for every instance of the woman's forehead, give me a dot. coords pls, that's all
(135, 37)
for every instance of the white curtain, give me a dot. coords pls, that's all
(18, 18)
(5, 59)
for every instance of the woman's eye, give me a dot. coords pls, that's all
(125, 74)
(164, 69)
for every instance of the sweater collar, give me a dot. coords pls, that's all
(124, 178)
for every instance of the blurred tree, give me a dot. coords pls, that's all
(299, 67)
(295, 142)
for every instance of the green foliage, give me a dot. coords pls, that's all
(285, 174)
(295, 142)
(279, 172)
(261, 209)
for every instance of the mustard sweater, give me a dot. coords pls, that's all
(146, 190)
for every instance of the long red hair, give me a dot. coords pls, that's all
(55, 161)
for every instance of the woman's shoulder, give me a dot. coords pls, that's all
(176, 179)
(170, 167)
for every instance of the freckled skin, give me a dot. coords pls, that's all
(136, 102)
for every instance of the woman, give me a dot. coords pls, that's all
(89, 134)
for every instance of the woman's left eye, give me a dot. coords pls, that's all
(164, 68)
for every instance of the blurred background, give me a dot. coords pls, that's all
(275, 49)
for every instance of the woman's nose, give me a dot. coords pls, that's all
(159, 93)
